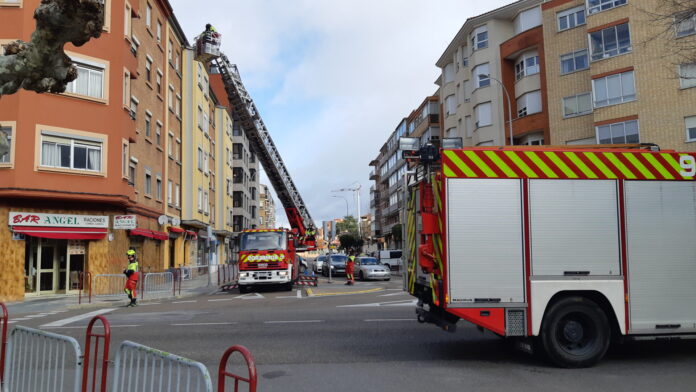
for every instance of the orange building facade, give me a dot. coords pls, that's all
(96, 170)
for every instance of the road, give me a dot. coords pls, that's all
(367, 342)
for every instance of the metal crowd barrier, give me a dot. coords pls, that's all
(84, 286)
(223, 374)
(141, 368)
(3, 340)
(42, 361)
(108, 285)
(158, 284)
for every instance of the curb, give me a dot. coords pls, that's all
(311, 293)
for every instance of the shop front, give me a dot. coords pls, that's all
(56, 247)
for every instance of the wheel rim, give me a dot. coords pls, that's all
(577, 334)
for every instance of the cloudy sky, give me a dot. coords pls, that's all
(332, 78)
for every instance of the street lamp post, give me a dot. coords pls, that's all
(344, 199)
(509, 105)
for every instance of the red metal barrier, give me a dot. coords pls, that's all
(106, 336)
(81, 286)
(223, 373)
(3, 339)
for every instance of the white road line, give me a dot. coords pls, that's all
(299, 295)
(251, 296)
(96, 326)
(79, 317)
(21, 318)
(192, 324)
(377, 304)
(380, 320)
(392, 294)
(183, 302)
(12, 322)
(36, 316)
(221, 299)
(151, 303)
(293, 321)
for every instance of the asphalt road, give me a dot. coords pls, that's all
(369, 342)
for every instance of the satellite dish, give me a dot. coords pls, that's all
(162, 219)
(176, 221)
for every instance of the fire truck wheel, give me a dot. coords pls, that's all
(575, 333)
(243, 289)
(287, 286)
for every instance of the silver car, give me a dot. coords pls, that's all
(369, 268)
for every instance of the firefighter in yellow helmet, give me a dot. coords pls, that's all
(132, 276)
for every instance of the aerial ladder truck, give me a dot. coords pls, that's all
(266, 256)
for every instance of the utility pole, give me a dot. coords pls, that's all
(356, 195)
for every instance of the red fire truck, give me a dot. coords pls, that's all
(563, 249)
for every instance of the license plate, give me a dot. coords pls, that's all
(263, 265)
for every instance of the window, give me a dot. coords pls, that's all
(618, 133)
(132, 170)
(71, 151)
(449, 73)
(451, 105)
(200, 159)
(170, 98)
(200, 199)
(571, 18)
(469, 125)
(577, 105)
(159, 31)
(159, 82)
(527, 19)
(690, 123)
(124, 157)
(237, 151)
(252, 174)
(158, 133)
(148, 68)
(89, 82)
(482, 75)
(127, 21)
(148, 124)
(574, 61)
(685, 24)
(170, 144)
(126, 88)
(7, 157)
(177, 109)
(594, 6)
(135, 44)
(148, 15)
(687, 75)
(483, 115)
(205, 202)
(614, 89)
(237, 175)
(252, 191)
(177, 193)
(170, 50)
(529, 103)
(170, 193)
(148, 182)
(158, 188)
(178, 149)
(527, 64)
(479, 38)
(610, 42)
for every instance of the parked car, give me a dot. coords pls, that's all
(338, 265)
(370, 268)
(391, 258)
(318, 263)
(303, 265)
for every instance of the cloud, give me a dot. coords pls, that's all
(332, 79)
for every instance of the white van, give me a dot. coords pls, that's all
(391, 258)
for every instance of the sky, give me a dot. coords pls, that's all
(332, 78)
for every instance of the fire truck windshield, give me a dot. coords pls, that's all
(263, 240)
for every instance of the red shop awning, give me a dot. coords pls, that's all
(158, 235)
(191, 234)
(142, 233)
(176, 229)
(62, 233)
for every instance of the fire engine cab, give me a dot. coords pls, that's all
(563, 249)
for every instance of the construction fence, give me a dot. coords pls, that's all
(41, 361)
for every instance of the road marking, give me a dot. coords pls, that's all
(392, 294)
(377, 304)
(190, 324)
(311, 293)
(380, 320)
(251, 296)
(36, 316)
(183, 302)
(299, 295)
(150, 303)
(79, 317)
(21, 318)
(221, 299)
(98, 326)
(12, 322)
(293, 321)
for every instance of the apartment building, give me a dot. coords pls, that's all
(84, 180)
(493, 78)
(267, 212)
(614, 77)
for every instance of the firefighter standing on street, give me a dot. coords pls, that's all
(350, 268)
(132, 276)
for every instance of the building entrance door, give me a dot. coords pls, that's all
(47, 268)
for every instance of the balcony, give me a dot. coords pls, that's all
(373, 175)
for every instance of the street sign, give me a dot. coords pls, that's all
(125, 222)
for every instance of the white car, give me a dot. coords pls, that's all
(367, 268)
(318, 263)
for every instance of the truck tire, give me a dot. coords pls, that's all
(243, 289)
(575, 333)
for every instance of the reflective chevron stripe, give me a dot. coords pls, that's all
(595, 164)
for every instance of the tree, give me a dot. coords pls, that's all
(676, 21)
(349, 225)
(350, 242)
(41, 65)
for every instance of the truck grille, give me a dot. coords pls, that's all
(515, 322)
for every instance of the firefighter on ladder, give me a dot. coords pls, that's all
(132, 276)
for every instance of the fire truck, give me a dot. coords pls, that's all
(561, 249)
(265, 256)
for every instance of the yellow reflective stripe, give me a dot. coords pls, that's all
(658, 166)
(447, 171)
(520, 164)
(540, 164)
(480, 164)
(561, 165)
(602, 167)
(500, 163)
(460, 164)
(617, 163)
(581, 165)
(636, 163)
(677, 166)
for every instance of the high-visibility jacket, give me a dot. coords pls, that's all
(350, 265)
